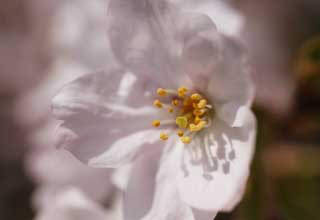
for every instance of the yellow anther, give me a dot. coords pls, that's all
(195, 96)
(199, 112)
(156, 123)
(187, 102)
(197, 127)
(175, 102)
(197, 120)
(202, 103)
(180, 133)
(185, 139)
(182, 121)
(162, 92)
(164, 136)
(157, 103)
(182, 91)
(170, 110)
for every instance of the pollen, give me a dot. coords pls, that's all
(157, 103)
(164, 136)
(185, 139)
(202, 103)
(180, 133)
(182, 91)
(197, 127)
(190, 110)
(162, 92)
(182, 121)
(175, 102)
(156, 123)
(195, 96)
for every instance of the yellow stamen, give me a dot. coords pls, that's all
(170, 110)
(156, 123)
(182, 121)
(157, 103)
(202, 103)
(164, 136)
(175, 102)
(182, 91)
(199, 112)
(162, 92)
(197, 127)
(185, 139)
(195, 96)
(197, 120)
(180, 133)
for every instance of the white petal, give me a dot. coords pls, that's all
(201, 49)
(121, 176)
(216, 181)
(167, 204)
(144, 36)
(100, 109)
(72, 205)
(55, 170)
(230, 88)
(228, 20)
(140, 190)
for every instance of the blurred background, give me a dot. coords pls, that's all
(46, 43)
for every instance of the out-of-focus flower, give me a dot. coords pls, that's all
(72, 204)
(54, 171)
(206, 93)
(229, 21)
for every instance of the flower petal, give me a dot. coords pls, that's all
(100, 109)
(141, 184)
(215, 179)
(167, 204)
(228, 20)
(230, 87)
(72, 204)
(144, 36)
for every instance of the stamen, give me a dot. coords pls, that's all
(202, 103)
(197, 120)
(180, 133)
(182, 121)
(164, 136)
(199, 112)
(162, 92)
(156, 123)
(195, 96)
(157, 103)
(189, 110)
(182, 91)
(197, 127)
(185, 139)
(175, 102)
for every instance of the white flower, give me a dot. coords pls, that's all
(108, 118)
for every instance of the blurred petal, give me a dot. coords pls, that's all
(229, 21)
(54, 170)
(144, 36)
(73, 205)
(202, 49)
(102, 111)
(215, 181)
(230, 87)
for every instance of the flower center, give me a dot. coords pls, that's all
(191, 112)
